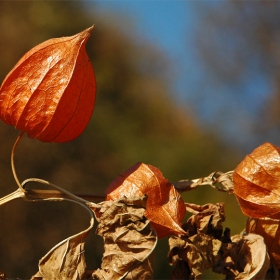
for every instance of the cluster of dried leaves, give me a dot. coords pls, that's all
(130, 233)
(207, 246)
(50, 95)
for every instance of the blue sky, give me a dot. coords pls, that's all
(163, 22)
(166, 24)
(171, 25)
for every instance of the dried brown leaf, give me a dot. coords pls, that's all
(245, 258)
(206, 219)
(65, 261)
(269, 229)
(181, 271)
(257, 260)
(238, 257)
(196, 252)
(192, 255)
(129, 240)
(37, 276)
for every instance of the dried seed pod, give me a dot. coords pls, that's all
(257, 182)
(50, 93)
(165, 206)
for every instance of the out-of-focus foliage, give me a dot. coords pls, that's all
(239, 44)
(135, 119)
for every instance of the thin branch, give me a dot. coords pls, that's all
(44, 194)
(66, 199)
(14, 195)
(12, 162)
(217, 180)
(59, 192)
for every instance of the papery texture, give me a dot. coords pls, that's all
(50, 93)
(269, 229)
(129, 241)
(65, 261)
(192, 256)
(257, 183)
(165, 206)
(206, 219)
(243, 258)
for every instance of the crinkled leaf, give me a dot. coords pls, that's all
(269, 229)
(50, 92)
(129, 240)
(206, 219)
(253, 257)
(65, 261)
(192, 255)
(245, 258)
(238, 257)
(165, 206)
(257, 184)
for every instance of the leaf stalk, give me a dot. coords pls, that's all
(13, 164)
(61, 190)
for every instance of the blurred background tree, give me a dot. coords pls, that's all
(238, 46)
(135, 119)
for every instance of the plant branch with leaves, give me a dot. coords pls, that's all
(49, 95)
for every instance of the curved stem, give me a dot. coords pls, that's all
(13, 164)
(63, 199)
(68, 240)
(71, 200)
(69, 194)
